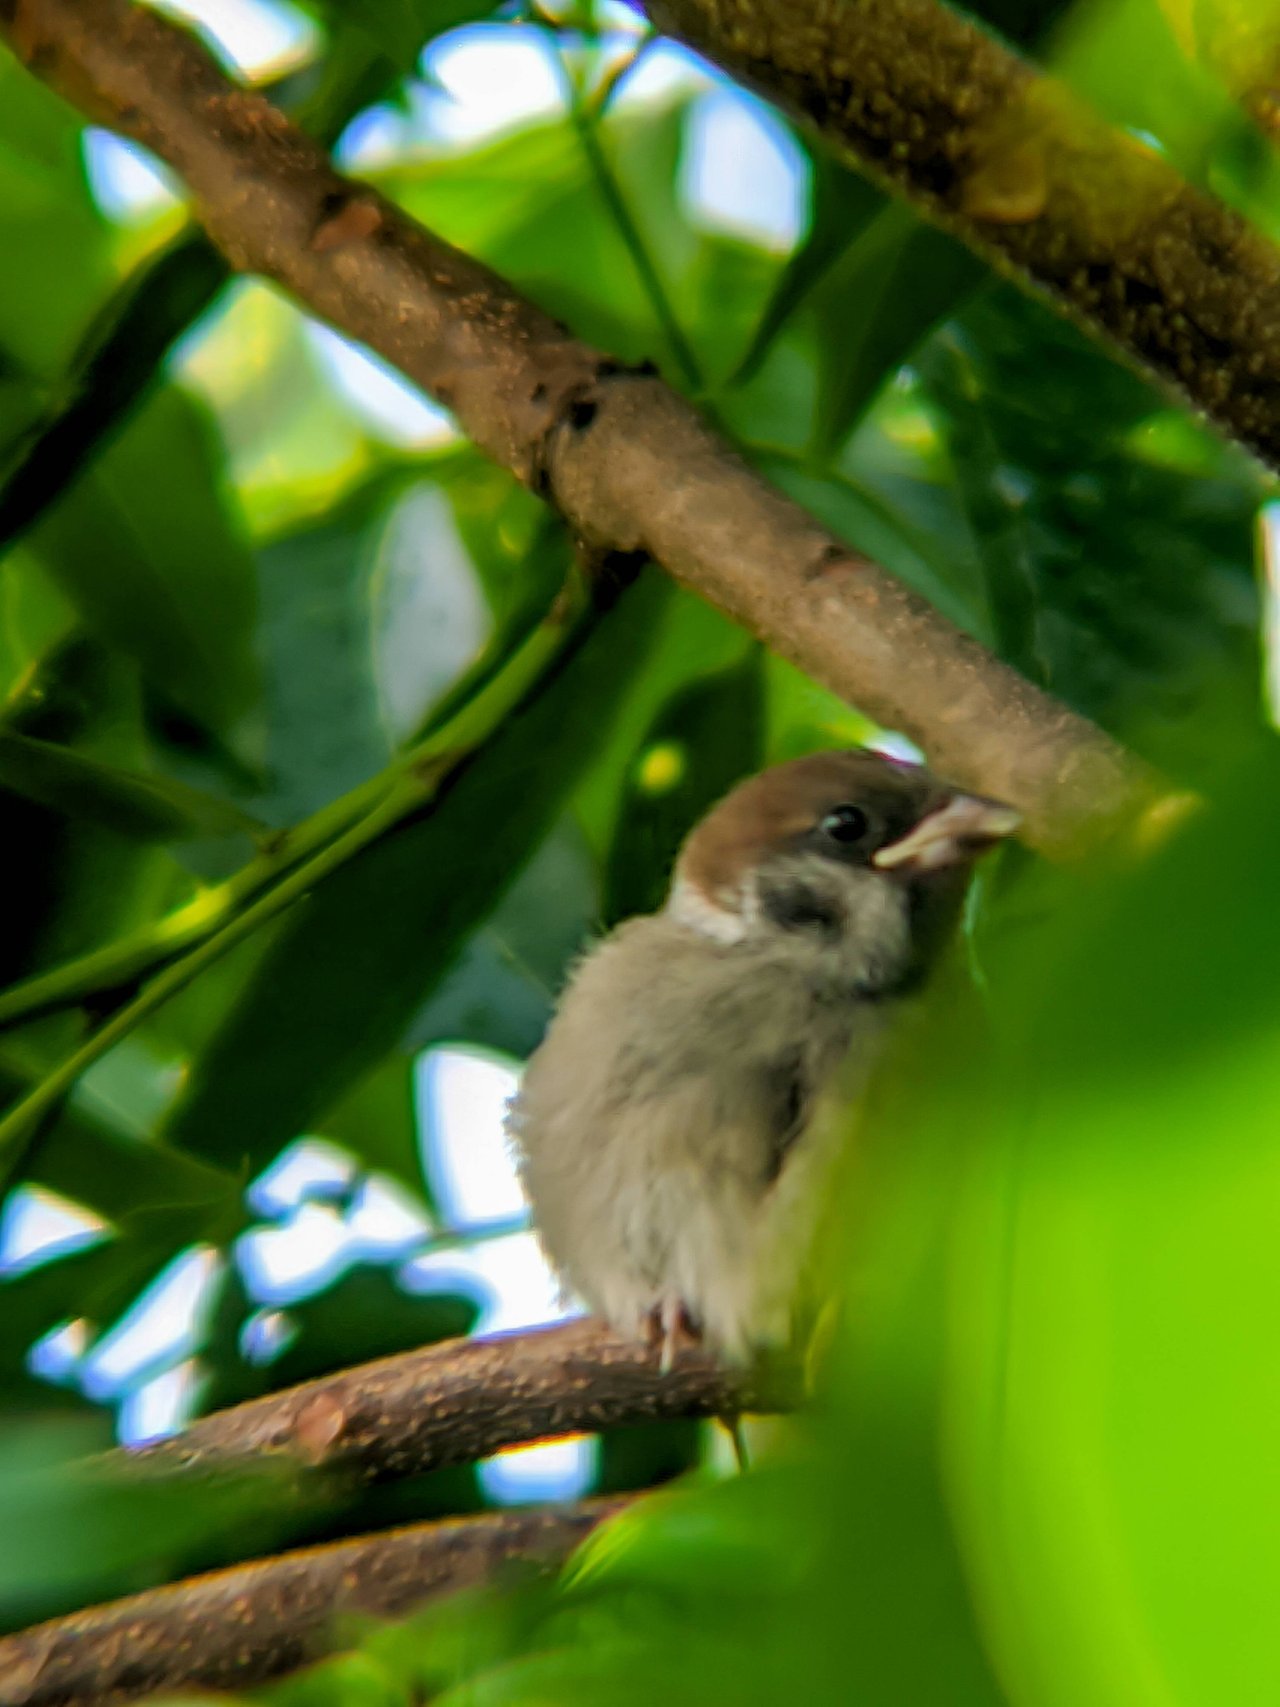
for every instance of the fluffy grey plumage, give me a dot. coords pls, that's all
(665, 1126)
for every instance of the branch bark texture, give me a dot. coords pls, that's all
(1018, 168)
(461, 1400)
(630, 465)
(233, 1628)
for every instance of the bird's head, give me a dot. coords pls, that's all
(850, 853)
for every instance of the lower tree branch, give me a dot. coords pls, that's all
(234, 1628)
(630, 465)
(461, 1400)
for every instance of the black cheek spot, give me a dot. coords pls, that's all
(797, 906)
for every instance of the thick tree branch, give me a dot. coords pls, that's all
(234, 1628)
(1022, 171)
(461, 1400)
(630, 465)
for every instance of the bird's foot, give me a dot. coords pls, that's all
(670, 1326)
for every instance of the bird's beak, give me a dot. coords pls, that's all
(952, 834)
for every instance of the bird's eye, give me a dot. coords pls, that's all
(846, 824)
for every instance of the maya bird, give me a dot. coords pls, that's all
(665, 1128)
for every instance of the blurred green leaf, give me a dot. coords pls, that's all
(503, 527)
(357, 1679)
(708, 736)
(57, 245)
(81, 883)
(320, 697)
(1113, 1279)
(500, 991)
(343, 978)
(904, 277)
(99, 1284)
(148, 808)
(842, 204)
(35, 627)
(366, 1315)
(76, 1532)
(691, 639)
(402, 27)
(146, 549)
(1185, 99)
(1124, 585)
(377, 1120)
(107, 375)
(135, 1183)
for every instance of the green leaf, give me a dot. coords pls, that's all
(402, 28)
(82, 883)
(707, 737)
(889, 288)
(57, 245)
(342, 980)
(147, 808)
(107, 376)
(500, 990)
(320, 695)
(842, 204)
(35, 622)
(1113, 1280)
(76, 1532)
(377, 1121)
(1120, 576)
(146, 550)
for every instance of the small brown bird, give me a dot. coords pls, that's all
(665, 1127)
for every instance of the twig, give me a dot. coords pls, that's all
(631, 466)
(585, 118)
(233, 1628)
(461, 1400)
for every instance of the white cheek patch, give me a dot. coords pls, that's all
(688, 906)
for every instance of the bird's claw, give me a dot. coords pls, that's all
(670, 1326)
